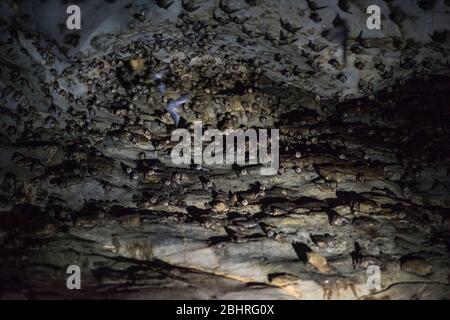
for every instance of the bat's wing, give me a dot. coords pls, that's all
(160, 74)
(162, 88)
(164, 4)
(174, 115)
(172, 107)
(182, 100)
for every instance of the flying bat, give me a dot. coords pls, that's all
(173, 105)
(158, 76)
(339, 34)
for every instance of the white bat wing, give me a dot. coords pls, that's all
(174, 115)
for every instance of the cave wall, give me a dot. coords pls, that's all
(87, 177)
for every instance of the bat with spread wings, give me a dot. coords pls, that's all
(173, 106)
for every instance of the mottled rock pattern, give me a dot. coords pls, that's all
(86, 176)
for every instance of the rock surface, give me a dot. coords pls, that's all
(87, 178)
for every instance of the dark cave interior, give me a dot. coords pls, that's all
(86, 176)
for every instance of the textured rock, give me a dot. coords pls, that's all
(417, 266)
(86, 176)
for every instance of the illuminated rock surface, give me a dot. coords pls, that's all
(87, 179)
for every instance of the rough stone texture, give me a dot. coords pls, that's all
(85, 145)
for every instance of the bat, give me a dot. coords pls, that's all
(339, 34)
(158, 76)
(173, 105)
